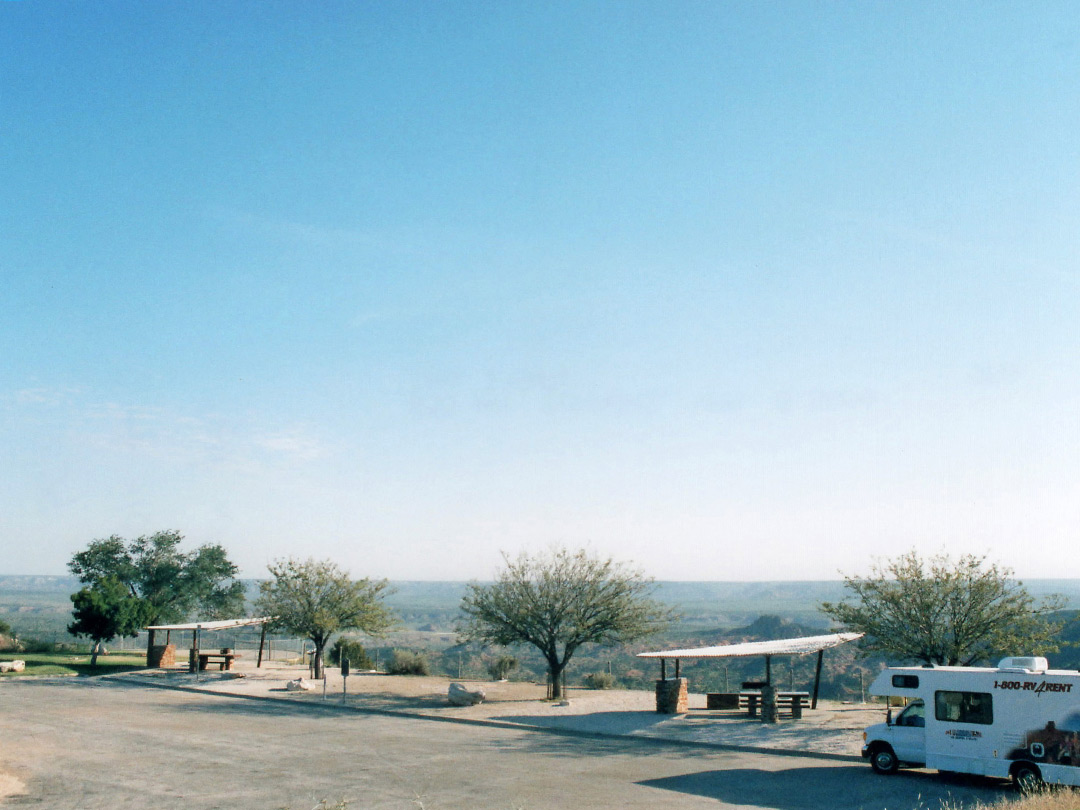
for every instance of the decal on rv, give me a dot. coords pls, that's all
(1051, 745)
(1038, 687)
(963, 734)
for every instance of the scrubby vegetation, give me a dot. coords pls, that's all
(353, 651)
(600, 680)
(499, 667)
(406, 662)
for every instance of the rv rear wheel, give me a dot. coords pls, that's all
(883, 760)
(1027, 777)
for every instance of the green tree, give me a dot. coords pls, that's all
(175, 585)
(941, 611)
(316, 598)
(105, 611)
(559, 601)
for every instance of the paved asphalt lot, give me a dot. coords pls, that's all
(85, 744)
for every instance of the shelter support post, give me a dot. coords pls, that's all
(676, 669)
(262, 642)
(663, 669)
(193, 658)
(149, 646)
(768, 670)
(817, 679)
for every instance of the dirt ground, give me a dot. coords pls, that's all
(832, 729)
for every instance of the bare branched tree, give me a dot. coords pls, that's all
(316, 599)
(941, 611)
(560, 601)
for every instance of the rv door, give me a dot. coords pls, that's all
(908, 734)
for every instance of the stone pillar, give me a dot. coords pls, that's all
(161, 655)
(672, 696)
(768, 704)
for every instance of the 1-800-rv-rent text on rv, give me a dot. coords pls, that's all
(1019, 720)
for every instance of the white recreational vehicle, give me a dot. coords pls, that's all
(1019, 720)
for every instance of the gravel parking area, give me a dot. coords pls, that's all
(224, 743)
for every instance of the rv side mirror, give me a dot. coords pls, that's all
(345, 667)
(888, 717)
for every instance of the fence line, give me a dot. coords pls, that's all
(278, 647)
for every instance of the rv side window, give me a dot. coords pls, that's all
(964, 707)
(905, 681)
(913, 715)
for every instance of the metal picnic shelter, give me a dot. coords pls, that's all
(197, 660)
(785, 646)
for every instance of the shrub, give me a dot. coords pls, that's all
(35, 645)
(404, 662)
(600, 680)
(354, 651)
(500, 668)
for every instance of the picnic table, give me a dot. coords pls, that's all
(223, 659)
(791, 703)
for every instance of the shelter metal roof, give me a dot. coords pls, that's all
(225, 624)
(784, 646)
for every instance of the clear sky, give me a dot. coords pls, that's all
(734, 291)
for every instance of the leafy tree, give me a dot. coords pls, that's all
(5, 628)
(941, 611)
(104, 611)
(175, 585)
(315, 599)
(559, 601)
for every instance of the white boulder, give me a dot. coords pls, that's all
(12, 666)
(298, 685)
(459, 695)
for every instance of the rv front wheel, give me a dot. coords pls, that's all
(883, 760)
(1026, 776)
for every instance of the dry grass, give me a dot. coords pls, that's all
(1045, 799)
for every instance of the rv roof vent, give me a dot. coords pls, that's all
(1024, 664)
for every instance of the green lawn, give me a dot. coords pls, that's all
(72, 663)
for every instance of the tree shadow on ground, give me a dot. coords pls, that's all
(392, 702)
(812, 788)
(535, 738)
(554, 742)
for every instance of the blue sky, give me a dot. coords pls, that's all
(731, 290)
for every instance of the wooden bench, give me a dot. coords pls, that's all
(224, 660)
